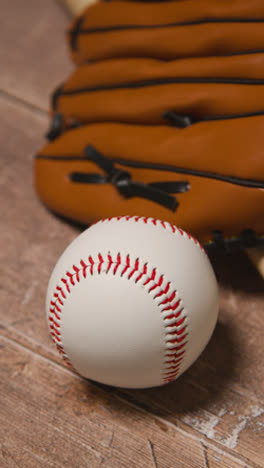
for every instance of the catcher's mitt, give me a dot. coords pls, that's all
(178, 140)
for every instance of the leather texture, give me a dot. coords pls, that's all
(179, 140)
(140, 90)
(167, 30)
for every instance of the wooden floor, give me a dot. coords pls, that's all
(213, 416)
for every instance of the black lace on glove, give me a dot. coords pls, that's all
(158, 192)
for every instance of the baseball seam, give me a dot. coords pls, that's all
(171, 308)
(156, 222)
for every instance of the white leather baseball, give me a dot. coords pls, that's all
(132, 302)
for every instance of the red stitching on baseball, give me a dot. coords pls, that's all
(90, 260)
(144, 272)
(58, 298)
(172, 307)
(76, 270)
(181, 346)
(61, 292)
(110, 262)
(156, 285)
(135, 269)
(180, 355)
(126, 266)
(53, 311)
(151, 277)
(118, 263)
(70, 276)
(173, 367)
(56, 331)
(170, 298)
(174, 354)
(180, 321)
(66, 284)
(164, 291)
(155, 222)
(56, 324)
(84, 268)
(174, 361)
(101, 261)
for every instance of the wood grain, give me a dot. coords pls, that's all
(51, 418)
(211, 417)
(33, 55)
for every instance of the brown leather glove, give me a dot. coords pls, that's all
(180, 140)
(214, 170)
(167, 30)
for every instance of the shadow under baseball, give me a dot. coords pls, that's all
(200, 387)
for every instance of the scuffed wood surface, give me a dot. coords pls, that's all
(213, 416)
(83, 425)
(33, 54)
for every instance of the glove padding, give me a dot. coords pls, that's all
(204, 178)
(167, 30)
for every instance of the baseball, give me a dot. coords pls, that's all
(132, 302)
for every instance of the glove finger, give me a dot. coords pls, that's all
(221, 163)
(167, 30)
(118, 14)
(171, 43)
(145, 100)
(108, 74)
(179, 104)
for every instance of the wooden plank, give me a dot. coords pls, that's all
(219, 400)
(25, 249)
(51, 418)
(33, 54)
